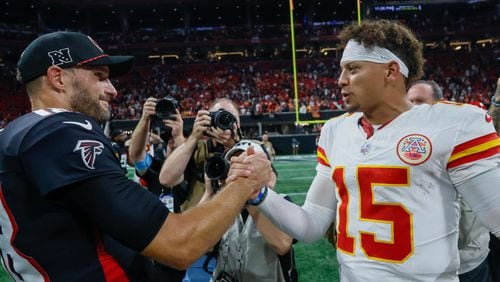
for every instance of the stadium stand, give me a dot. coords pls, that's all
(196, 56)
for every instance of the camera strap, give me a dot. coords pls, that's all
(210, 145)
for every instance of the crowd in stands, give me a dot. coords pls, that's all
(265, 87)
(259, 87)
(264, 84)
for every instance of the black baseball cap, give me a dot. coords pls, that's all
(67, 49)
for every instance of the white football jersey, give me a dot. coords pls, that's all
(398, 211)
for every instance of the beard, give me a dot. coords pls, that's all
(83, 102)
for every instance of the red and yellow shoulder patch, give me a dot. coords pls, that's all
(475, 149)
(321, 155)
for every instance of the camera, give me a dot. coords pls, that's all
(216, 167)
(222, 119)
(166, 108)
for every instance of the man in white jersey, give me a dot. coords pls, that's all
(473, 237)
(388, 172)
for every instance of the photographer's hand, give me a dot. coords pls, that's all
(140, 136)
(201, 124)
(148, 109)
(223, 137)
(177, 126)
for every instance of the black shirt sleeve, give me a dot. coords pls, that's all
(119, 207)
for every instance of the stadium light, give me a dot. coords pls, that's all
(485, 41)
(163, 57)
(458, 45)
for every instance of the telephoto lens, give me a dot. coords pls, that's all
(216, 167)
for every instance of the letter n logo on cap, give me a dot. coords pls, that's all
(59, 57)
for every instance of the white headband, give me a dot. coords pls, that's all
(357, 52)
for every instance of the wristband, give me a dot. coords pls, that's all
(260, 198)
(496, 104)
(144, 164)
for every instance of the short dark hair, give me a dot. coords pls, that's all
(437, 92)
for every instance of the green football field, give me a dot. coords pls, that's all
(315, 262)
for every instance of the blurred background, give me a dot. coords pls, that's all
(198, 51)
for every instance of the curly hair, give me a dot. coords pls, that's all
(390, 35)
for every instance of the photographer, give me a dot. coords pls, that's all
(118, 137)
(187, 163)
(197, 150)
(146, 164)
(189, 158)
(253, 249)
(147, 167)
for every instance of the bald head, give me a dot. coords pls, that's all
(228, 105)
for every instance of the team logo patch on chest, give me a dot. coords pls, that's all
(89, 149)
(414, 149)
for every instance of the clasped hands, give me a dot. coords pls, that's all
(253, 167)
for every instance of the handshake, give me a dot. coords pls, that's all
(217, 167)
(245, 159)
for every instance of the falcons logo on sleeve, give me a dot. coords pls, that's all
(89, 149)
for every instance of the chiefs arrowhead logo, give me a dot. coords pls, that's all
(89, 149)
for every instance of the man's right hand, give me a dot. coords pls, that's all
(177, 126)
(255, 167)
(148, 109)
(201, 124)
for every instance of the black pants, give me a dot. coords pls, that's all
(479, 274)
(494, 258)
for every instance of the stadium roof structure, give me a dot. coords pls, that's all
(107, 15)
(102, 15)
(425, 2)
(241, 26)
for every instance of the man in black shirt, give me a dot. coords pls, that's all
(63, 190)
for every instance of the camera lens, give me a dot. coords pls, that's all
(216, 168)
(165, 108)
(223, 119)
